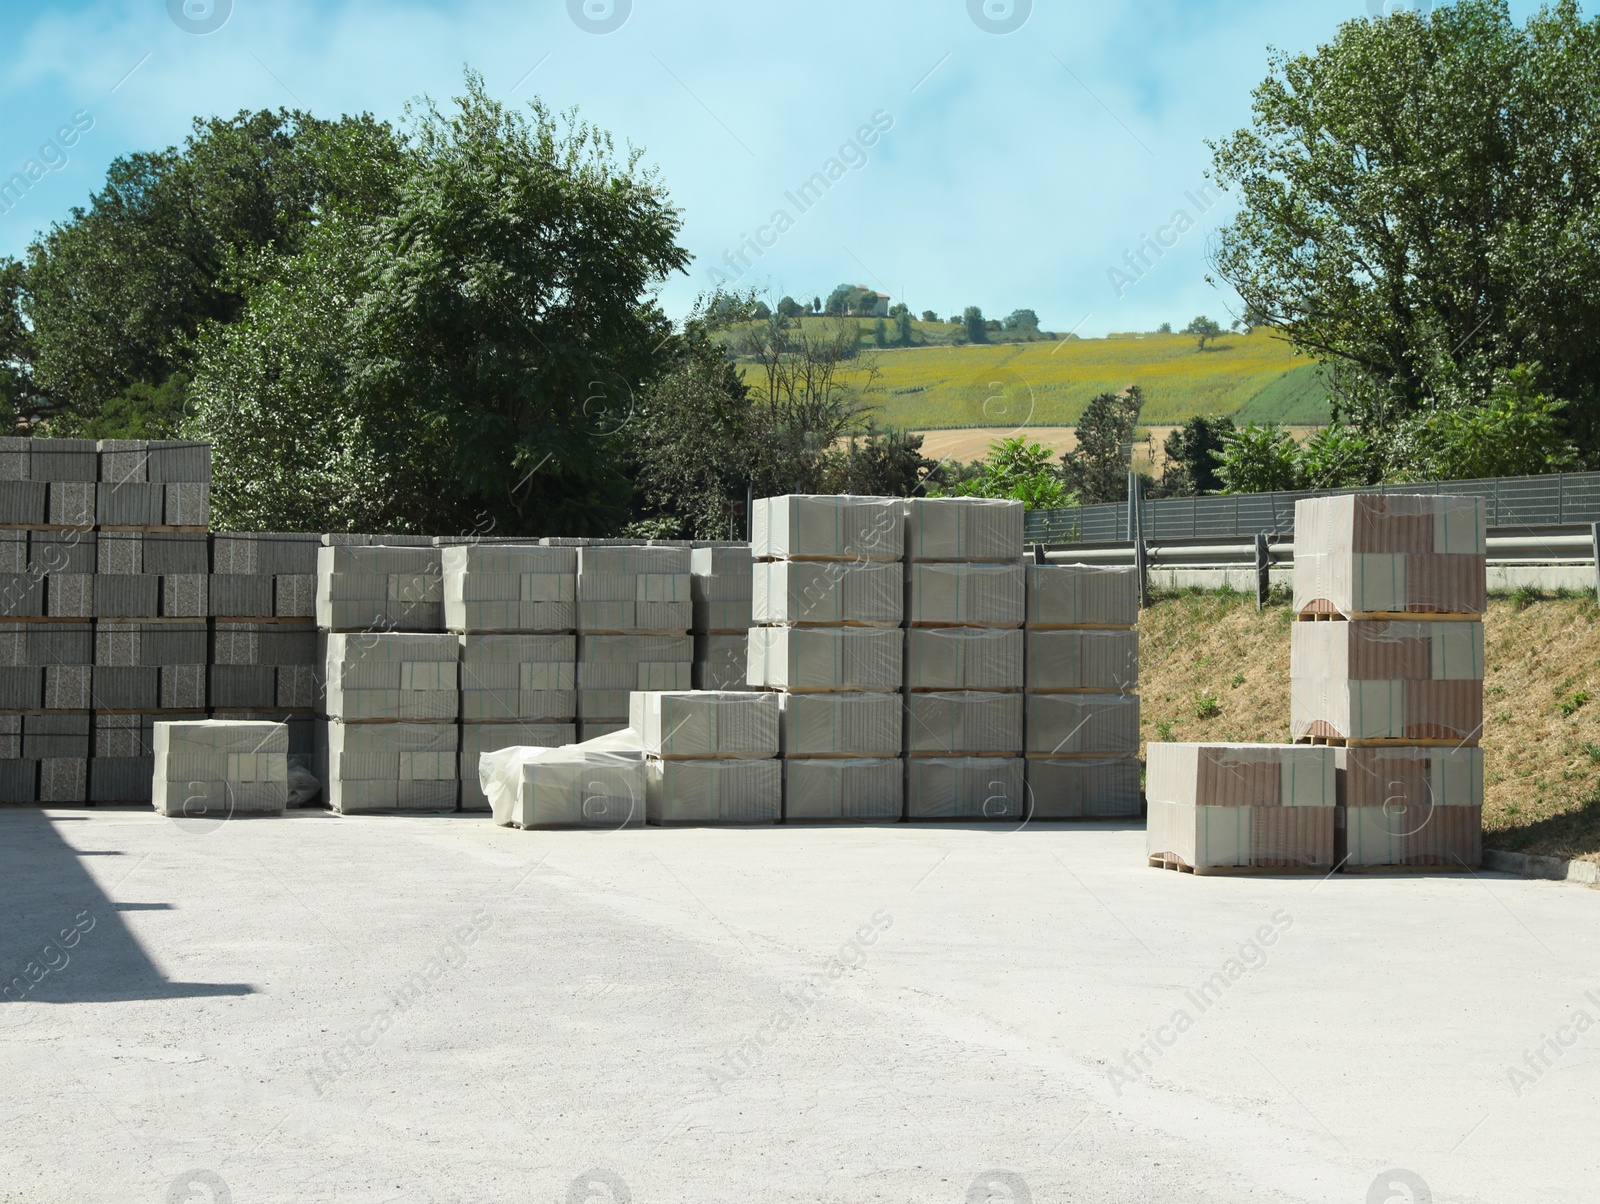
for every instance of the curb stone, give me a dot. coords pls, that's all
(1530, 866)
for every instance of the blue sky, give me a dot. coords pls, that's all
(1006, 170)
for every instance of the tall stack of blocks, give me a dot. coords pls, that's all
(103, 593)
(1386, 667)
(391, 737)
(710, 756)
(634, 612)
(513, 608)
(721, 584)
(964, 610)
(1082, 676)
(828, 600)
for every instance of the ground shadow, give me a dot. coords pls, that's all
(1571, 834)
(62, 940)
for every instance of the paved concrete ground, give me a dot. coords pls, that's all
(276, 1005)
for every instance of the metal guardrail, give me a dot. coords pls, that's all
(1568, 545)
(1558, 499)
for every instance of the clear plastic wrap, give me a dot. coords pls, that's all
(975, 595)
(1390, 553)
(1241, 775)
(1082, 660)
(1082, 595)
(827, 592)
(826, 658)
(706, 724)
(970, 788)
(861, 789)
(845, 724)
(1228, 837)
(828, 527)
(1088, 788)
(963, 658)
(1104, 725)
(963, 722)
(964, 528)
(714, 791)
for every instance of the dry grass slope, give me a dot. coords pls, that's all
(1541, 734)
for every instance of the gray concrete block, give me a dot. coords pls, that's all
(130, 504)
(185, 595)
(183, 687)
(188, 505)
(72, 503)
(23, 502)
(127, 688)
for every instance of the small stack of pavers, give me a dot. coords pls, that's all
(513, 608)
(964, 610)
(391, 738)
(828, 603)
(217, 769)
(1082, 673)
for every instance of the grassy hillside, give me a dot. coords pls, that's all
(1048, 383)
(1541, 767)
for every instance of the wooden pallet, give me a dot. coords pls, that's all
(1385, 742)
(1385, 616)
(1171, 861)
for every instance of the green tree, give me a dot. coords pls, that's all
(478, 349)
(1021, 469)
(1259, 459)
(1204, 330)
(880, 333)
(902, 327)
(1419, 209)
(880, 463)
(1339, 457)
(115, 293)
(1097, 468)
(1164, 328)
(789, 308)
(1191, 456)
(929, 316)
(1023, 320)
(20, 398)
(972, 325)
(1517, 431)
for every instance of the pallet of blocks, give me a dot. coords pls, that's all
(1081, 672)
(721, 585)
(390, 740)
(397, 585)
(1387, 666)
(145, 672)
(828, 602)
(634, 611)
(218, 769)
(1241, 808)
(711, 757)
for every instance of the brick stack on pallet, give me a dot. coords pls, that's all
(828, 602)
(964, 610)
(634, 612)
(1216, 808)
(265, 665)
(711, 757)
(1082, 675)
(513, 608)
(1386, 666)
(721, 579)
(389, 737)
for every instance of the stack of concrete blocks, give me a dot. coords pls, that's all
(154, 484)
(964, 609)
(1386, 666)
(720, 585)
(392, 736)
(47, 565)
(1082, 702)
(827, 604)
(710, 756)
(397, 585)
(513, 607)
(1221, 808)
(634, 612)
(219, 769)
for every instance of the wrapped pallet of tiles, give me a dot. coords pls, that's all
(711, 757)
(598, 783)
(480, 738)
(965, 599)
(721, 584)
(391, 739)
(1386, 665)
(379, 587)
(219, 769)
(634, 611)
(509, 588)
(1231, 808)
(1081, 672)
(828, 600)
